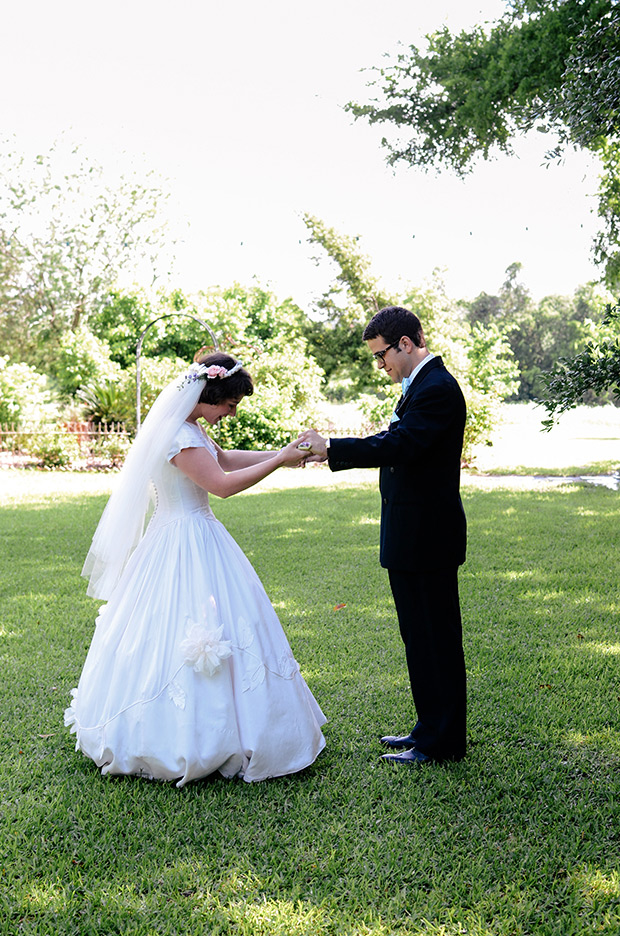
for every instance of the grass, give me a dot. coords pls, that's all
(521, 838)
(606, 467)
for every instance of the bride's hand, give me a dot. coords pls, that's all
(292, 456)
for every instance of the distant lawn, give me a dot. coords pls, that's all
(585, 440)
(523, 837)
(609, 467)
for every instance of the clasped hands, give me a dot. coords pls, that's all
(309, 446)
(314, 444)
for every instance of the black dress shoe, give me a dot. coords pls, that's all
(397, 743)
(411, 757)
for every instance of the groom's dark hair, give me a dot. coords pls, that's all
(392, 323)
(220, 389)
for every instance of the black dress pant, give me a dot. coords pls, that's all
(429, 615)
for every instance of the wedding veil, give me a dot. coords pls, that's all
(123, 521)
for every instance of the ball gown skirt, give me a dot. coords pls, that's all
(189, 671)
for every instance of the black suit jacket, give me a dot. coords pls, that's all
(422, 518)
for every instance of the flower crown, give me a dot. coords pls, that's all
(214, 370)
(210, 372)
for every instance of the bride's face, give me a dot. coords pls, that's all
(213, 412)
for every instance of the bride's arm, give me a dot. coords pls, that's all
(203, 469)
(233, 459)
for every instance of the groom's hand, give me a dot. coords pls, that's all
(318, 449)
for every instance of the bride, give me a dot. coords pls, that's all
(189, 671)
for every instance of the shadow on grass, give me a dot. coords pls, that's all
(522, 837)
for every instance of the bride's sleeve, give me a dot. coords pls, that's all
(185, 438)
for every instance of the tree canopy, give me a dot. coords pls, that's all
(65, 236)
(549, 64)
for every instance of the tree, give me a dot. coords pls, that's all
(120, 319)
(485, 309)
(587, 103)
(478, 356)
(539, 333)
(608, 210)
(596, 369)
(335, 339)
(355, 289)
(65, 236)
(549, 64)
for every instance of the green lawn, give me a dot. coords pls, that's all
(523, 837)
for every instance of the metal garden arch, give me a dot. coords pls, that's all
(139, 352)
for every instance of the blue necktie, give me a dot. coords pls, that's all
(405, 384)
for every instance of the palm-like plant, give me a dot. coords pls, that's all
(107, 402)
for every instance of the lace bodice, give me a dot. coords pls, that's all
(175, 494)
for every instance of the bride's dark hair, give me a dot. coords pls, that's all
(218, 389)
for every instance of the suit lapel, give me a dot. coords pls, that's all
(417, 380)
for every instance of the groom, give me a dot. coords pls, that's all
(423, 528)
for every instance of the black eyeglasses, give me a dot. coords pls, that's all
(380, 355)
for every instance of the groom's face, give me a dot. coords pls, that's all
(394, 362)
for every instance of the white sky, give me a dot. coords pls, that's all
(239, 105)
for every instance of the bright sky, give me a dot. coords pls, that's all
(239, 105)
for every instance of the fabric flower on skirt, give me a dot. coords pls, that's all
(204, 650)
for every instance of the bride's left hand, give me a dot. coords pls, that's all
(292, 456)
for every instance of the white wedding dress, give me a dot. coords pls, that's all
(189, 671)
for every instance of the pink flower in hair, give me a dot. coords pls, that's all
(214, 370)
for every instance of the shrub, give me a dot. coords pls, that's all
(54, 449)
(112, 447)
(106, 402)
(378, 410)
(25, 395)
(83, 359)
(287, 389)
(112, 401)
